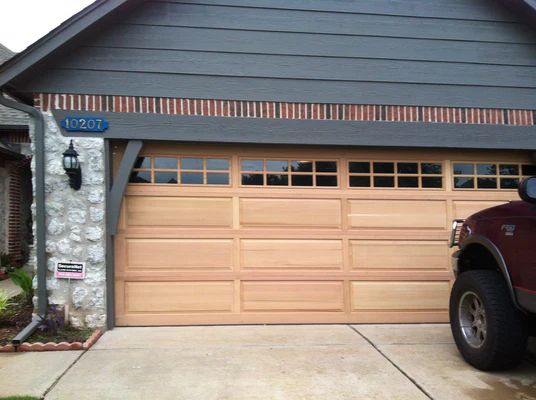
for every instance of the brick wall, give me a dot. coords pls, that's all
(262, 109)
(15, 208)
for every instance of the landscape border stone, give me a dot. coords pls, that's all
(62, 346)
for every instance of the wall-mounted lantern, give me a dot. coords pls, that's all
(72, 167)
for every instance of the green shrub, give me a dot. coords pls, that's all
(24, 281)
(4, 301)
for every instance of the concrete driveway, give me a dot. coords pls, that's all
(280, 362)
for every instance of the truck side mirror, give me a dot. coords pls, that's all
(527, 189)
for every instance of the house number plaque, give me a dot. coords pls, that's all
(84, 124)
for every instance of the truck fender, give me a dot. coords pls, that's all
(490, 246)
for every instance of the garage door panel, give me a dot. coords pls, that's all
(292, 296)
(178, 212)
(264, 254)
(400, 296)
(178, 297)
(179, 254)
(290, 213)
(463, 209)
(399, 254)
(408, 214)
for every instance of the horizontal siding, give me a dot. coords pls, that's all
(466, 53)
(489, 10)
(299, 67)
(307, 44)
(263, 89)
(247, 18)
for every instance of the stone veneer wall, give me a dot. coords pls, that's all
(75, 225)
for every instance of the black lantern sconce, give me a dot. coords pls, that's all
(72, 167)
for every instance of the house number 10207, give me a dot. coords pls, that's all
(84, 124)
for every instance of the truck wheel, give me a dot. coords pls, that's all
(489, 331)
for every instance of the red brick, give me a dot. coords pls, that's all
(76, 346)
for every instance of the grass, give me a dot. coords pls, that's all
(19, 398)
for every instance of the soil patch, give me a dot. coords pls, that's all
(19, 314)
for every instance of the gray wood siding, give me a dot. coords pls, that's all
(469, 53)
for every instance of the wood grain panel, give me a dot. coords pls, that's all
(400, 295)
(398, 214)
(180, 254)
(290, 213)
(179, 212)
(178, 297)
(463, 209)
(407, 254)
(292, 296)
(291, 254)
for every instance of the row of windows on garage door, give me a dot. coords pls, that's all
(325, 173)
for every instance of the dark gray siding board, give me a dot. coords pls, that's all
(212, 87)
(485, 10)
(312, 44)
(301, 132)
(299, 67)
(244, 18)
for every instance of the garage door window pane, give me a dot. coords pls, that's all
(140, 177)
(359, 167)
(360, 181)
(509, 183)
(486, 169)
(192, 163)
(302, 166)
(302, 180)
(384, 181)
(143, 162)
(277, 180)
(408, 168)
(507, 169)
(384, 168)
(277, 165)
(252, 165)
(487, 183)
(431, 168)
(217, 179)
(326, 166)
(408, 182)
(464, 183)
(165, 177)
(217, 164)
(528, 170)
(165, 163)
(436, 183)
(192, 178)
(252, 179)
(464, 169)
(326, 180)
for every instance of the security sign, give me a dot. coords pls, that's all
(70, 270)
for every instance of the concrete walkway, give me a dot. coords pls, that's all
(269, 362)
(10, 287)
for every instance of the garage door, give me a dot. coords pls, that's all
(245, 235)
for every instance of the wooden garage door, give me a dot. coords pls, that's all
(241, 235)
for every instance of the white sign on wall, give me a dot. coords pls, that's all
(70, 270)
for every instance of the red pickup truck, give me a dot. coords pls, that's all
(493, 300)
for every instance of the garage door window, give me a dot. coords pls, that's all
(289, 173)
(486, 176)
(181, 171)
(403, 175)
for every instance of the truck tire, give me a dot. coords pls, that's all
(489, 331)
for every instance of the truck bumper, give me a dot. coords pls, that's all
(454, 261)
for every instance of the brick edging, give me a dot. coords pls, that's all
(283, 110)
(62, 346)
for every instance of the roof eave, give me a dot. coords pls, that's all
(56, 38)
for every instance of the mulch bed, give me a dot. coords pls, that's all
(19, 315)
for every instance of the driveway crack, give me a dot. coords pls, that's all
(392, 363)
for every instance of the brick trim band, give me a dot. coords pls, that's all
(263, 109)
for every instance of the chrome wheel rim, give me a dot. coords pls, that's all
(472, 319)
